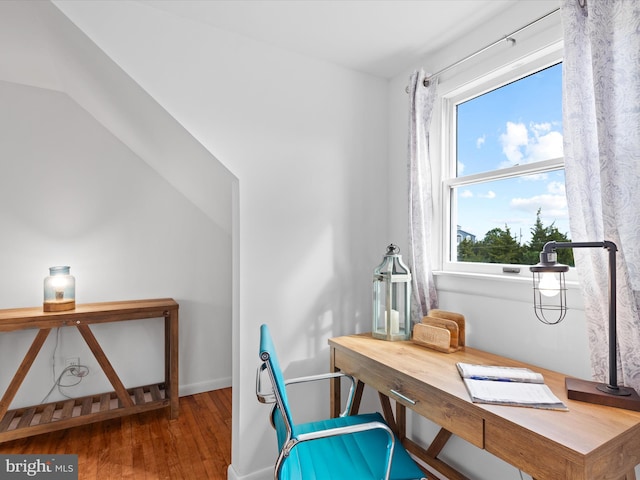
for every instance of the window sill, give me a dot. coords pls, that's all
(504, 277)
(453, 287)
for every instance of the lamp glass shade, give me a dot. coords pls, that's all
(549, 297)
(59, 290)
(391, 298)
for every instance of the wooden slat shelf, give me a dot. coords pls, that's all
(24, 422)
(34, 420)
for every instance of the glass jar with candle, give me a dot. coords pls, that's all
(391, 298)
(59, 290)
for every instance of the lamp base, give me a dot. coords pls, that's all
(595, 392)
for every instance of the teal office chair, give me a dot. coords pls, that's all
(349, 447)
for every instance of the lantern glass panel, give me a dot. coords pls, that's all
(391, 292)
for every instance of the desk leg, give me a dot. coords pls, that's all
(171, 362)
(388, 413)
(401, 421)
(430, 455)
(335, 402)
(357, 398)
(438, 443)
(397, 422)
(334, 387)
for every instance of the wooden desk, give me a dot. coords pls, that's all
(43, 418)
(587, 442)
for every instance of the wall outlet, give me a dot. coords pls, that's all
(71, 362)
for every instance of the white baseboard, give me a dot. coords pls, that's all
(193, 388)
(264, 474)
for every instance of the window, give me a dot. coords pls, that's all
(504, 175)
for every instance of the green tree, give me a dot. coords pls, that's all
(499, 246)
(468, 251)
(541, 235)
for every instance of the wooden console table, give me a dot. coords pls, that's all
(589, 441)
(24, 422)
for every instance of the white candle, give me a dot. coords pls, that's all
(394, 325)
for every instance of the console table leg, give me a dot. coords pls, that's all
(22, 371)
(107, 368)
(171, 359)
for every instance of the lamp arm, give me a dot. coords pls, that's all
(550, 247)
(553, 245)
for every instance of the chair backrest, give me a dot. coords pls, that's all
(270, 362)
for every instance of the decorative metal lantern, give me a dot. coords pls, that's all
(59, 290)
(391, 298)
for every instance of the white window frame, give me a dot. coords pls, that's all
(453, 92)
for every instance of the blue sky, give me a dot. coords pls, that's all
(516, 124)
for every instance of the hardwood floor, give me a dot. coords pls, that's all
(148, 446)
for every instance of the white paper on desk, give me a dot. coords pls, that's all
(488, 372)
(536, 395)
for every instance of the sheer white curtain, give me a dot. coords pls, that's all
(423, 291)
(602, 165)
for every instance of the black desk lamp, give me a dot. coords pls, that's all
(549, 298)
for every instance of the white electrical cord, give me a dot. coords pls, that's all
(78, 371)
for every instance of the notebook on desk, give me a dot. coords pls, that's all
(519, 387)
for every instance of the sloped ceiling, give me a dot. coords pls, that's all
(48, 51)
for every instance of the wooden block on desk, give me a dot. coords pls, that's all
(449, 325)
(432, 336)
(456, 317)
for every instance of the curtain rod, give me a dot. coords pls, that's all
(507, 38)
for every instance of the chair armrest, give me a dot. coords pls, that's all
(269, 396)
(359, 427)
(263, 397)
(328, 376)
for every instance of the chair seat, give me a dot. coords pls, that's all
(333, 458)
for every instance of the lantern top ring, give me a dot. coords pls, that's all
(393, 249)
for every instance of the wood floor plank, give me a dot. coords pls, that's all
(196, 445)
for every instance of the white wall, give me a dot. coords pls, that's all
(72, 192)
(307, 141)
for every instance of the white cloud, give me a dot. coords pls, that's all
(556, 188)
(515, 137)
(541, 127)
(466, 194)
(554, 206)
(490, 195)
(522, 144)
(480, 141)
(545, 147)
